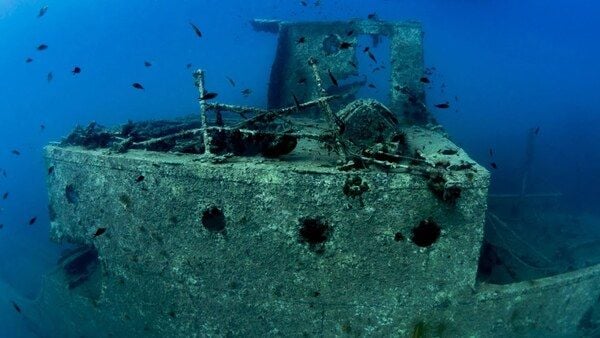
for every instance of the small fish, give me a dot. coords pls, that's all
(494, 165)
(32, 220)
(147, 64)
(196, 30)
(246, 92)
(28, 60)
(42, 127)
(376, 69)
(42, 11)
(366, 49)
(332, 78)
(371, 56)
(188, 66)
(444, 105)
(296, 102)
(304, 3)
(1, 226)
(16, 306)
(50, 170)
(76, 70)
(345, 45)
(231, 82)
(5, 195)
(42, 47)
(370, 85)
(15, 152)
(137, 86)
(424, 80)
(209, 96)
(139, 178)
(372, 16)
(99, 232)
(50, 77)
(301, 39)
(350, 33)
(353, 64)
(536, 131)
(302, 81)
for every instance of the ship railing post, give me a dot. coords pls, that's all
(199, 82)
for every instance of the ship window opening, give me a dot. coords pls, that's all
(213, 219)
(426, 233)
(374, 67)
(331, 44)
(80, 266)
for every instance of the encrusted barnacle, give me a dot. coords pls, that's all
(446, 191)
(355, 186)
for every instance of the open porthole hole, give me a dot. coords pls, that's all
(426, 233)
(315, 232)
(213, 219)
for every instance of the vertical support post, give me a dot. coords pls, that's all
(334, 120)
(199, 82)
(407, 65)
(323, 104)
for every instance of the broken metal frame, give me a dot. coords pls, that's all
(407, 45)
(262, 115)
(527, 165)
(333, 135)
(523, 195)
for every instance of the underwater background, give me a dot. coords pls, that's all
(506, 67)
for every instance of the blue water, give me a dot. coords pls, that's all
(514, 65)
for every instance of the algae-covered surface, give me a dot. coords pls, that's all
(253, 236)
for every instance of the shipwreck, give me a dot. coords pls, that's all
(324, 214)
